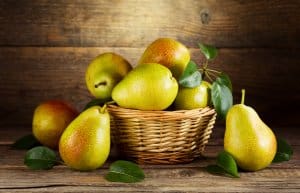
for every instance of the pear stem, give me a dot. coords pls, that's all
(110, 102)
(243, 96)
(103, 109)
(208, 76)
(213, 70)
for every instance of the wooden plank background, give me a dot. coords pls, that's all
(45, 47)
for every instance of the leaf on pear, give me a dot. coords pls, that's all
(25, 142)
(191, 77)
(125, 171)
(40, 158)
(284, 151)
(210, 52)
(221, 97)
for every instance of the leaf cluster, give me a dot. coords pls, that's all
(221, 91)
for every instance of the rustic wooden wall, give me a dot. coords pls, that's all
(46, 45)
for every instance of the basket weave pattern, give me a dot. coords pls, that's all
(161, 137)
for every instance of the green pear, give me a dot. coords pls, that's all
(85, 143)
(104, 72)
(147, 87)
(192, 98)
(248, 139)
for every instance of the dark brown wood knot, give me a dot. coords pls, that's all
(205, 16)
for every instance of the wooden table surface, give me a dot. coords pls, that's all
(16, 177)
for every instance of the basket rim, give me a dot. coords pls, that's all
(154, 113)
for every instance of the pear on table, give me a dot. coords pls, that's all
(85, 144)
(50, 119)
(248, 139)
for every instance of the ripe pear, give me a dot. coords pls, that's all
(168, 52)
(248, 139)
(147, 87)
(192, 98)
(85, 144)
(104, 72)
(50, 119)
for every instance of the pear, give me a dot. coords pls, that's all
(192, 98)
(168, 52)
(85, 143)
(50, 119)
(147, 87)
(248, 139)
(104, 72)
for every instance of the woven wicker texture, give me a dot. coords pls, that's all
(161, 137)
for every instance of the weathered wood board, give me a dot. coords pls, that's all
(31, 75)
(192, 177)
(45, 47)
(133, 23)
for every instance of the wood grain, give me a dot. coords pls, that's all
(192, 177)
(157, 180)
(13, 158)
(133, 23)
(30, 75)
(283, 177)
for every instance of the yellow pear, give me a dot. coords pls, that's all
(85, 144)
(248, 139)
(147, 87)
(192, 98)
(104, 72)
(50, 119)
(168, 52)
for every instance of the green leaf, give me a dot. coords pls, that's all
(95, 102)
(281, 157)
(39, 158)
(221, 98)
(191, 76)
(227, 162)
(25, 142)
(125, 171)
(226, 165)
(284, 151)
(215, 169)
(210, 52)
(225, 80)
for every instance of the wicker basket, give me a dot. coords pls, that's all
(161, 137)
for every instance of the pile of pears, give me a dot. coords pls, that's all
(152, 84)
(83, 139)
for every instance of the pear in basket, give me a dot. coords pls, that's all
(104, 72)
(192, 98)
(147, 87)
(168, 52)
